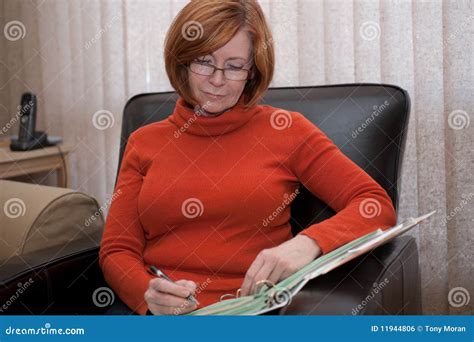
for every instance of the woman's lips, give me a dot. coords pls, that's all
(214, 96)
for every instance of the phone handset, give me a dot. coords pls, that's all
(27, 117)
(28, 137)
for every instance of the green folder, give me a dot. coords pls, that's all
(270, 297)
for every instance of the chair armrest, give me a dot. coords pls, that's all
(53, 281)
(385, 281)
(36, 217)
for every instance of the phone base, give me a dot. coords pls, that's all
(39, 140)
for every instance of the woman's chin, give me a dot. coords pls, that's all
(213, 109)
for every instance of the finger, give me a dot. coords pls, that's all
(191, 285)
(163, 285)
(165, 299)
(277, 274)
(248, 279)
(263, 274)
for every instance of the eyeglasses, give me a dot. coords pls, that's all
(207, 69)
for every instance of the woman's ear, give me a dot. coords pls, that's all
(252, 74)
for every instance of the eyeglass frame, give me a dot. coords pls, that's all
(216, 68)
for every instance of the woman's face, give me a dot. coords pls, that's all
(235, 54)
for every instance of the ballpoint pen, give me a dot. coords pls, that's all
(161, 274)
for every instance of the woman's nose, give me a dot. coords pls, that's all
(217, 78)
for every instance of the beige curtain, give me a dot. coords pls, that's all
(84, 59)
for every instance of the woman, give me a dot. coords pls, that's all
(204, 194)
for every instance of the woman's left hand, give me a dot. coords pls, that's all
(278, 263)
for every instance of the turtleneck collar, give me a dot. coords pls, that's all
(191, 121)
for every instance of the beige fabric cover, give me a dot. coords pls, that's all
(33, 217)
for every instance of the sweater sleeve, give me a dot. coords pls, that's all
(123, 242)
(360, 203)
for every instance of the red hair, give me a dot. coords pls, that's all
(203, 27)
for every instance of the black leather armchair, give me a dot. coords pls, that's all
(368, 122)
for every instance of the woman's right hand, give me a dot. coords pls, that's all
(166, 298)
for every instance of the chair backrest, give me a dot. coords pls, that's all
(368, 122)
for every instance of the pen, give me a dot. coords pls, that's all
(161, 274)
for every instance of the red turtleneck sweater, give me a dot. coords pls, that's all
(200, 197)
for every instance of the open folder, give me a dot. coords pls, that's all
(273, 296)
